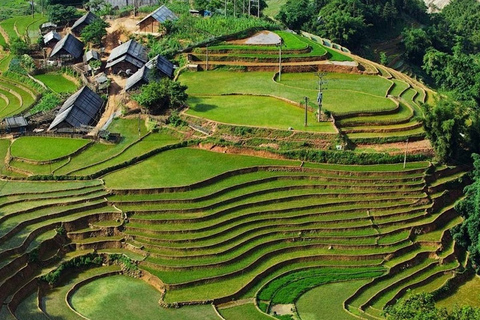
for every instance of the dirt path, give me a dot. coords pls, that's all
(113, 104)
(4, 34)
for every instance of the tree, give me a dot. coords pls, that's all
(95, 31)
(158, 96)
(421, 306)
(467, 234)
(295, 13)
(343, 22)
(446, 127)
(415, 307)
(416, 42)
(60, 14)
(18, 47)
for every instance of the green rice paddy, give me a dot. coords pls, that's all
(57, 82)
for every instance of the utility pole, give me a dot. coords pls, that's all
(234, 8)
(306, 106)
(258, 9)
(280, 60)
(206, 59)
(249, 7)
(321, 86)
(225, 8)
(405, 157)
(33, 9)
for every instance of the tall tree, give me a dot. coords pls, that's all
(158, 96)
(95, 31)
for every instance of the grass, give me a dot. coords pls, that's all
(325, 301)
(164, 169)
(45, 148)
(57, 82)
(104, 299)
(54, 301)
(268, 112)
(467, 294)
(289, 288)
(258, 83)
(243, 311)
(5, 62)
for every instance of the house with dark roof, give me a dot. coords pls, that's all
(152, 22)
(67, 49)
(51, 39)
(16, 124)
(127, 56)
(157, 68)
(47, 27)
(81, 109)
(82, 22)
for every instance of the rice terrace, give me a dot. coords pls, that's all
(198, 162)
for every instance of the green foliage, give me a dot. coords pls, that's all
(157, 96)
(176, 121)
(467, 234)
(27, 63)
(288, 288)
(348, 157)
(125, 261)
(383, 58)
(416, 42)
(95, 31)
(18, 47)
(446, 127)
(61, 231)
(60, 14)
(421, 306)
(88, 260)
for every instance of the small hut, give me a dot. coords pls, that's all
(67, 49)
(129, 56)
(80, 109)
(16, 124)
(152, 22)
(47, 27)
(157, 68)
(82, 22)
(51, 39)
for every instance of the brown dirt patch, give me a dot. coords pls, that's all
(241, 151)
(415, 147)
(259, 38)
(120, 30)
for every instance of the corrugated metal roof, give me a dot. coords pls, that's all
(130, 51)
(48, 25)
(162, 14)
(16, 122)
(159, 62)
(79, 109)
(70, 44)
(51, 36)
(91, 54)
(87, 18)
(140, 76)
(162, 64)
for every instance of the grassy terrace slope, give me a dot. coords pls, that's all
(215, 226)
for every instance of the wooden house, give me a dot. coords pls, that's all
(82, 22)
(152, 22)
(51, 39)
(127, 57)
(68, 49)
(157, 68)
(47, 27)
(80, 109)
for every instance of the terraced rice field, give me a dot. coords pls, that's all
(15, 97)
(215, 227)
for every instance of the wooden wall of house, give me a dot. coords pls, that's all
(149, 25)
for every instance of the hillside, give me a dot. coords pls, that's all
(295, 180)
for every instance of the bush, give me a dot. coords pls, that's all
(48, 102)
